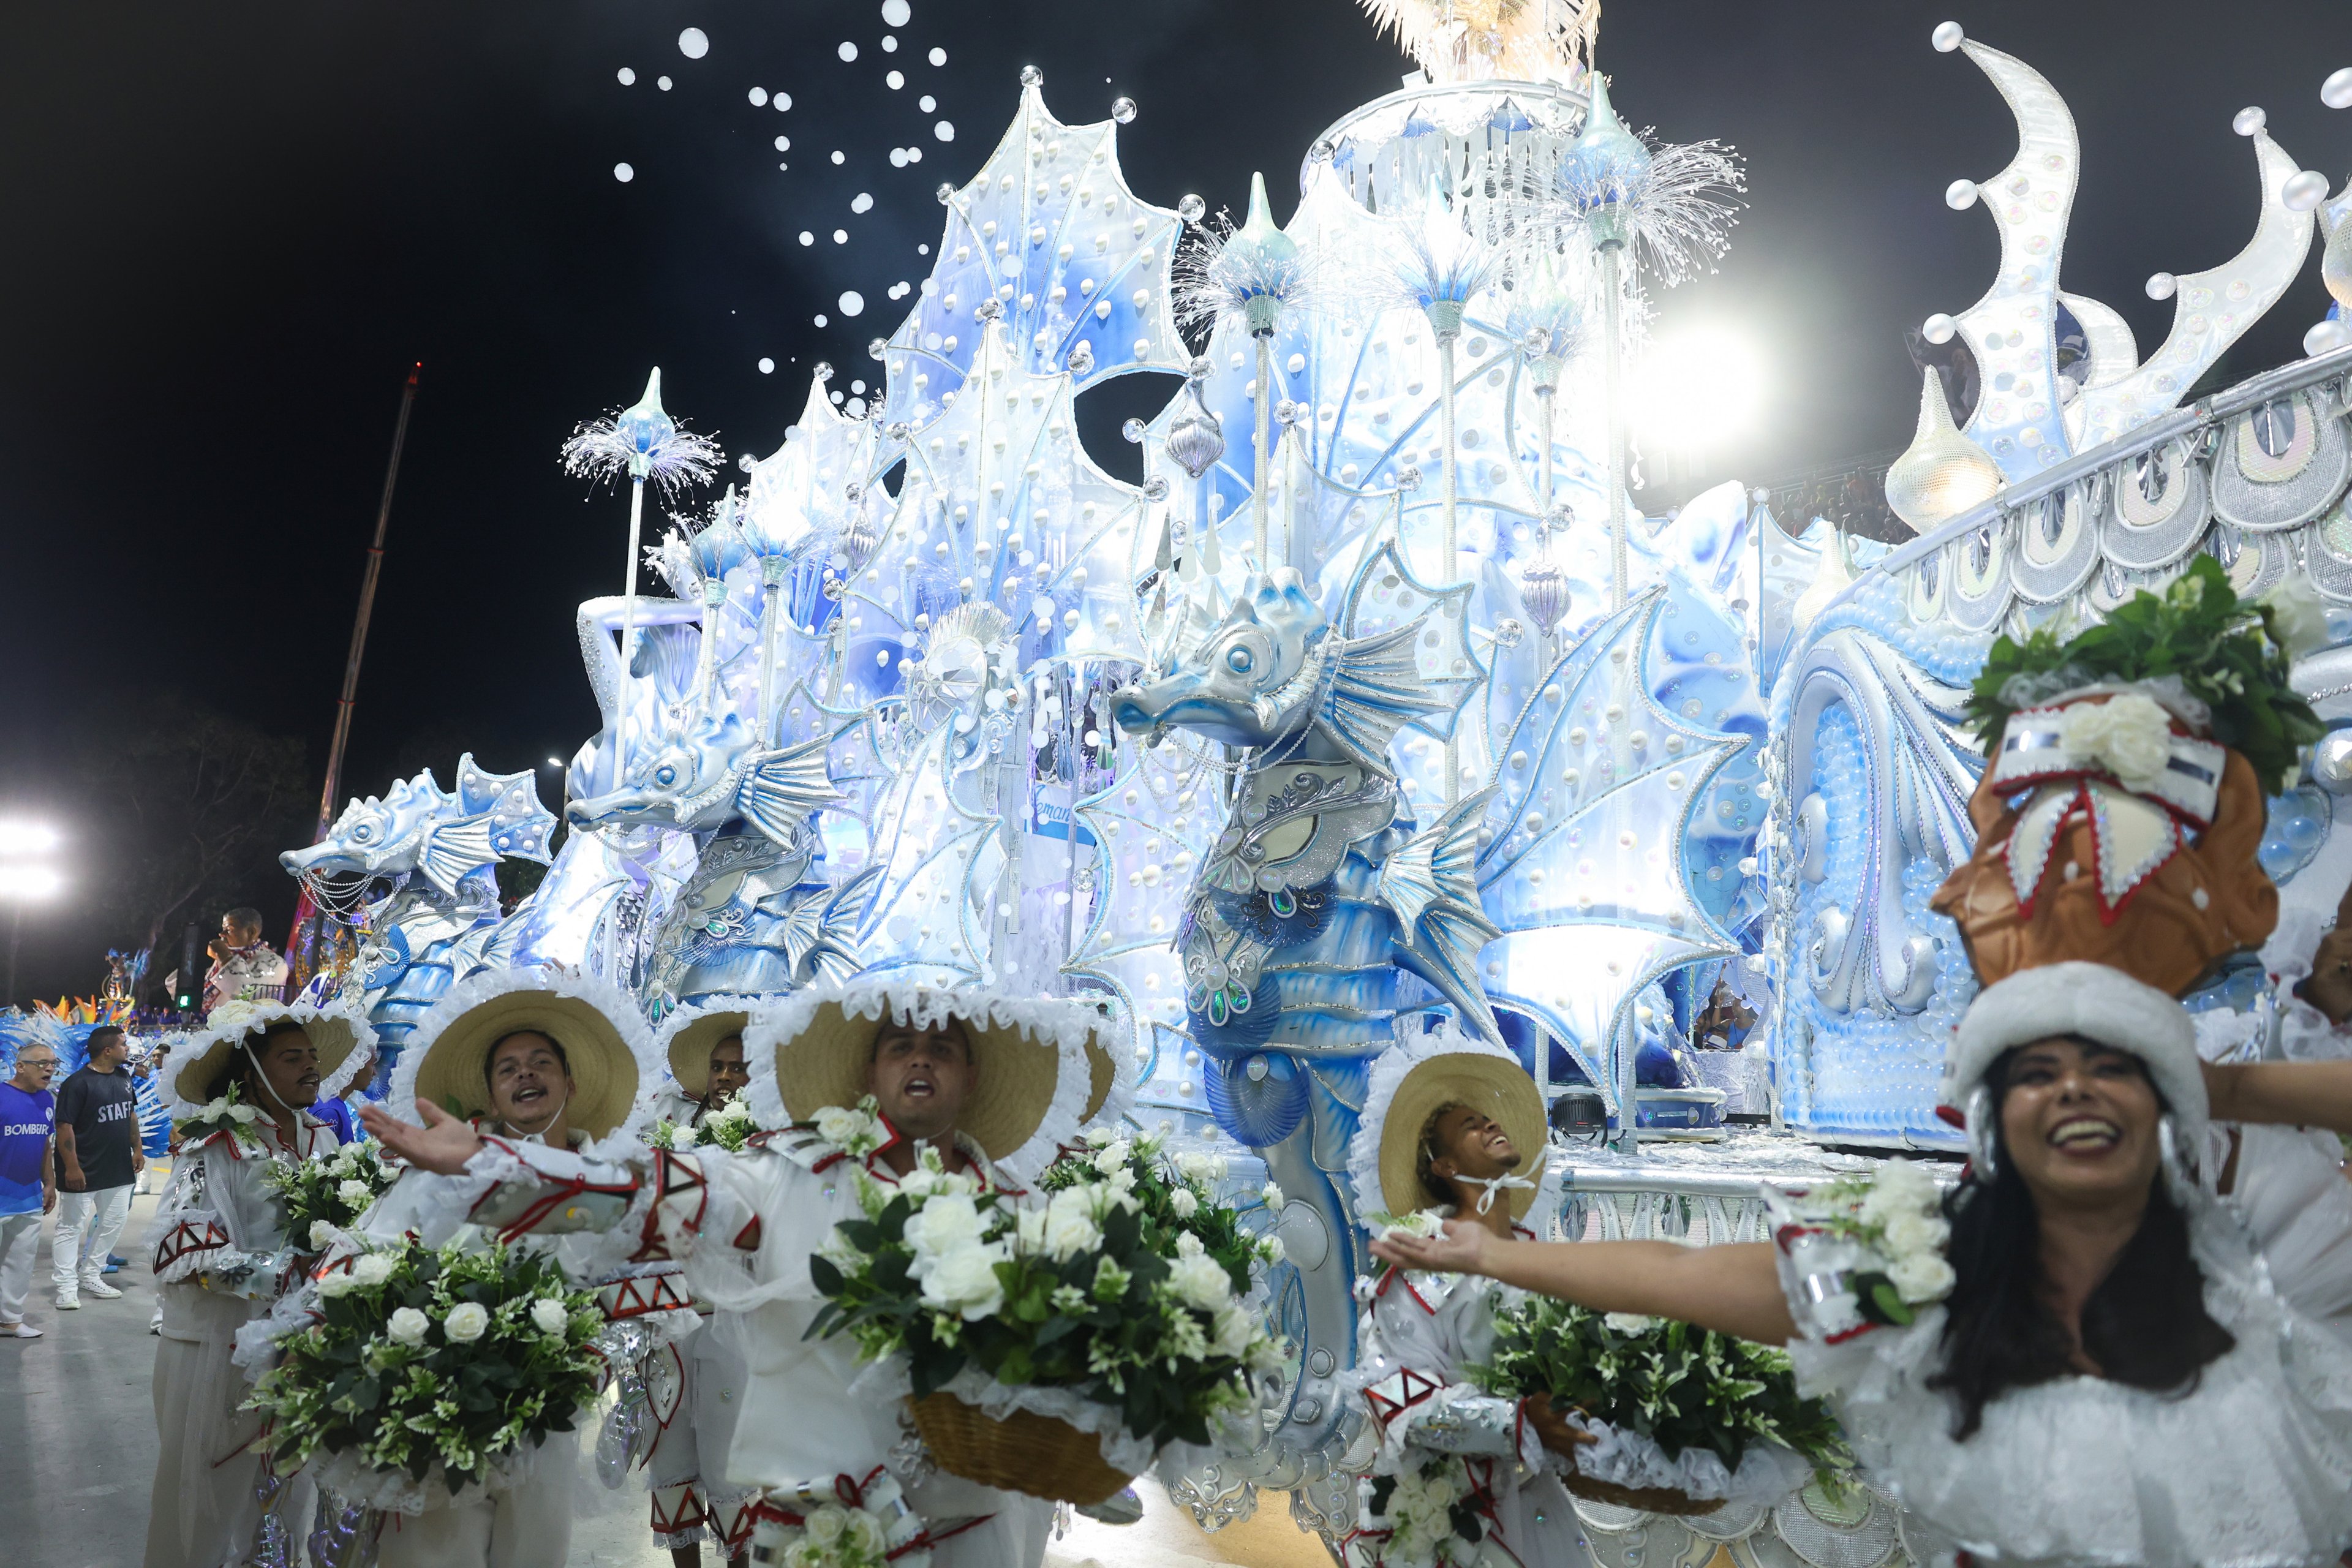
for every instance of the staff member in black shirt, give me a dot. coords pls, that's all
(97, 1159)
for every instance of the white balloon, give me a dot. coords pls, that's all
(853, 304)
(896, 13)
(1960, 195)
(624, 173)
(1947, 36)
(2160, 285)
(694, 43)
(2336, 91)
(766, 365)
(628, 78)
(1938, 328)
(2305, 192)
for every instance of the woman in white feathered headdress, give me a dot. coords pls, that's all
(240, 1092)
(1453, 1126)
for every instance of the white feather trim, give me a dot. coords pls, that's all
(616, 1004)
(1060, 1022)
(261, 1015)
(2097, 1002)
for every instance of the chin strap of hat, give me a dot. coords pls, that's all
(1494, 1185)
(245, 1045)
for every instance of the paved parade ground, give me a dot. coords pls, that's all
(78, 1444)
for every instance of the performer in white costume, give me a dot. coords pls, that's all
(223, 1258)
(2120, 1373)
(996, 1086)
(520, 1060)
(1452, 1125)
(687, 1468)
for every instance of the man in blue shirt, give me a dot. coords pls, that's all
(29, 1184)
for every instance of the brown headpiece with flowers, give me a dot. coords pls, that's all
(2120, 811)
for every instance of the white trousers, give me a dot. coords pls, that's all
(206, 1507)
(527, 1527)
(88, 1224)
(20, 1239)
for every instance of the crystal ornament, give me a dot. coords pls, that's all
(1543, 594)
(1195, 436)
(2335, 262)
(1252, 274)
(1047, 239)
(2336, 90)
(643, 443)
(2306, 191)
(1670, 206)
(821, 481)
(1943, 473)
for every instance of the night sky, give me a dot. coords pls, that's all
(230, 230)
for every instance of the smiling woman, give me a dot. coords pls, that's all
(2113, 1341)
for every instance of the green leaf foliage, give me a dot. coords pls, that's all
(2223, 650)
(1679, 1386)
(345, 1385)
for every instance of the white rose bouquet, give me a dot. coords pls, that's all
(1895, 1215)
(730, 1128)
(1127, 1286)
(325, 1197)
(420, 1358)
(1424, 1517)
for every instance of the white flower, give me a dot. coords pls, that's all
(1199, 1282)
(1922, 1277)
(1122, 1180)
(408, 1326)
(1070, 1227)
(1271, 1196)
(2299, 619)
(1420, 1222)
(1629, 1322)
(244, 1115)
(681, 1138)
(2130, 735)
(1113, 1157)
(1906, 1182)
(866, 1534)
(373, 1268)
(944, 1225)
(839, 1125)
(1909, 1235)
(1099, 1136)
(322, 1236)
(1029, 1230)
(825, 1525)
(965, 1283)
(337, 1284)
(548, 1314)
(1188, 1246)
(1195, 1165)
(467, 1322)
(1236, 1329)
(356, 1194)
(1271, 1249)
(1181, 1200)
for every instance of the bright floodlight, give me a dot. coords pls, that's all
(18, 837)
(555, 761)
(1698, 389)
(30, 882)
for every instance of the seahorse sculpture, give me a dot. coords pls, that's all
(754, 916)
(434, 853)
(1316, 901)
